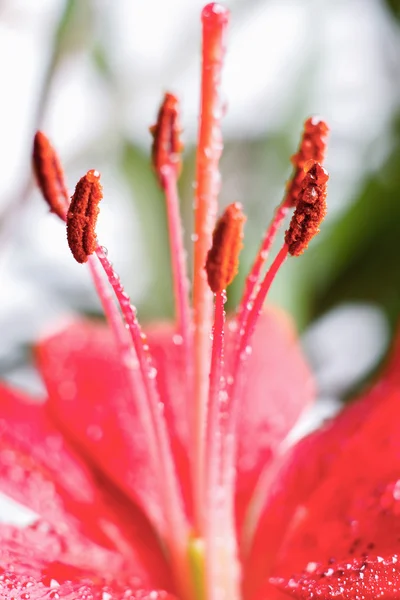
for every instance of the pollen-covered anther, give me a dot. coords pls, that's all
(49, 175)
(223, 258)
(82, 216)
(310, 209)
(312, 147)
(167, 145)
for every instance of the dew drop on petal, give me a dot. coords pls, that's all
(152, 373)
(233, 325)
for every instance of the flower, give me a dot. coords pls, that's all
(156, 463)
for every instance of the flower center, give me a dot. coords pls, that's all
(203, 550)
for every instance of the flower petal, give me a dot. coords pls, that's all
(84, 376)
(38, 563)
(278, 388)
(338, 495)
(358, 578)
(39, 469)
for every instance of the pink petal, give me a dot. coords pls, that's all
(358, 578)
(82, 373)
(38, 469)
(338, 495)
(279, 387)
(37, 563)
(89, 398)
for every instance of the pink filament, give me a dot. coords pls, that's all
(180, 278)
(260, 260)
(213, 428)
(220, 533)
(239, 362)
(151, 409)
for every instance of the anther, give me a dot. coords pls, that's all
(82, 216)
(167, 145)
(223, 258)
(310, 209)
(312, 147)
(49, 175)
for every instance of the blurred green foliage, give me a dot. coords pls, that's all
(394, 6)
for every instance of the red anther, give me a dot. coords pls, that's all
(310, 209)
(167, 145)
(312, 147)
(223, 258)
(82, 216)
(49, 175)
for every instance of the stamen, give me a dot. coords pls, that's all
(312, 147)
(310, 209)
(221, 266)
(167, 145)
(49, 175)
(82, 216)
(223, 259)
(214, 20)
(167, 163)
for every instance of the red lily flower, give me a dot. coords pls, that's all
(156, 463)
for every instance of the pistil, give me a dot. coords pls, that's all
(209, 148)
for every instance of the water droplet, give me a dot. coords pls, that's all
(194, 237)
(130, 361)
(390, 499)
(104, 250)
(106, 596)
(152, 373)
(177, 339)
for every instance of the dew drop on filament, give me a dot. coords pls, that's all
(177, 339)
